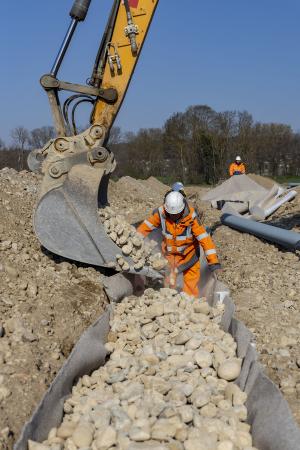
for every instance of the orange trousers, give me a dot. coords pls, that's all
(191, 278)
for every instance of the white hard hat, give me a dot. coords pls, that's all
(174, 203)
(238, 158)
(178, 186)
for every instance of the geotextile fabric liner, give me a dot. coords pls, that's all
(88, 354)
(242, 195)
(238, 187)
(272, 424)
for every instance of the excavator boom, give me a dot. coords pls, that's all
(128, 35)
(76, 167)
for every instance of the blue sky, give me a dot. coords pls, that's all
(231, 55)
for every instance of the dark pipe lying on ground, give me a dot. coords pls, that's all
(285, 238)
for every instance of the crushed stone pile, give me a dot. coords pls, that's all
(131, 243)
(46, 302)
(167, 385)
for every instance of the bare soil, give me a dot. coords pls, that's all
(45, 305)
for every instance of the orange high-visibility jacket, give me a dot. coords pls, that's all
(181, 239)
(234, 167)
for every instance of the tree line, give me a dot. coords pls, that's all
(194, 146)
(22, 141)
(198, 145)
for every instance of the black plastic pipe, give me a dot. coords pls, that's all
(285, 238)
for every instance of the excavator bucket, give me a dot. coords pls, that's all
(66, 219)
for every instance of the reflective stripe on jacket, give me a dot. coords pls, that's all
(181, 239)
(234, 167)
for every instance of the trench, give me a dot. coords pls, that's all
(272, 424)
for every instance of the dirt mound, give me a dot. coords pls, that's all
(156, 185)
(146, 190)
(45, 305)
(265, 182)
(136, 199)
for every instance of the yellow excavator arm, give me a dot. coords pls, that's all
(121, 54)
(76, 167)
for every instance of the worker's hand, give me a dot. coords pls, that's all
(170, 277)
(168, 270)
(173, 277)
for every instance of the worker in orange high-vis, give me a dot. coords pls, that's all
(183, 235)
(237, 167)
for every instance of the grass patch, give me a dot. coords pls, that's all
(287, 179)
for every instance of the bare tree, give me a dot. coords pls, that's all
(20, 136)
(198, 144)
(40, 136)
(176, 143)
(115, 136)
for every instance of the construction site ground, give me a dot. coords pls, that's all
(46, 303)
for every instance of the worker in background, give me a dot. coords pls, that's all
(178, 187)
(182, 236)
(237, 167)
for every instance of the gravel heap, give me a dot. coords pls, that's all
(131, 243)
(168, 384)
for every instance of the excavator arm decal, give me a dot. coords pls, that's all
(133, 3)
